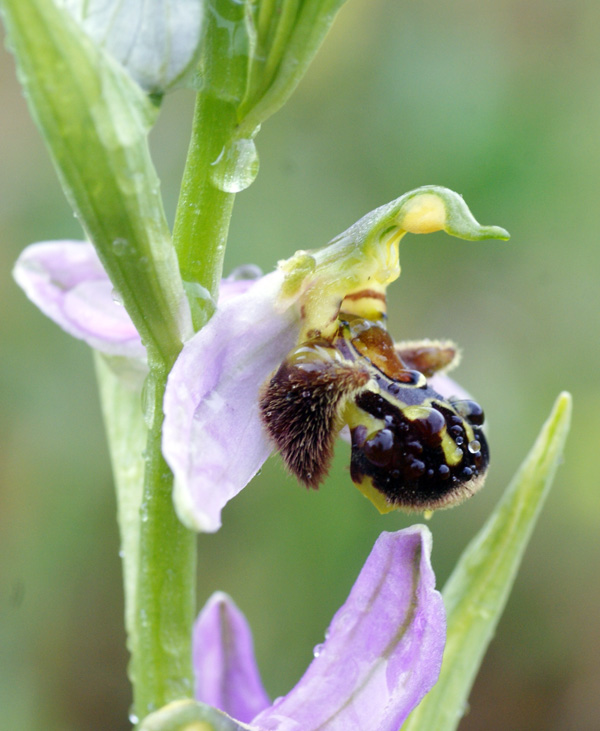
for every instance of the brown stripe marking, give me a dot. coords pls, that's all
(366, 294)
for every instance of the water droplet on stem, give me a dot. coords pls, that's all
(236, 167)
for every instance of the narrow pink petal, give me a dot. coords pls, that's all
(383, 650)
(213, 438)
(65, 279)
(226, 673)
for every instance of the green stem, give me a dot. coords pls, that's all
(158, 552)
(204, 210)
(161, 665)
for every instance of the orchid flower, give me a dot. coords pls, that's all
(316, 327)
(288, 361)
(382, 653)
(304, 352)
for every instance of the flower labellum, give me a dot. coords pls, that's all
(412, 448)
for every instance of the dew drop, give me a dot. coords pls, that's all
(458, 454)
(200, 293)
(380, 448)
(474, 446)
(415, 469)
(236, 167)
(120, 246)
(245, 272)
(471, 410)
(133, 718)
(430, 426)
(318, 650)
(444, 471)
(117, 297)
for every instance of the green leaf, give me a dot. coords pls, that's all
(227, 50)
(288, 35)
(255, 53)
(478, 589)
(127, 433)
(95, 120)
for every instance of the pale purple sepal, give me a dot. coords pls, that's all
(66, 280)
(383, 650)
(223, 654)
(448, 387)
(213, 438)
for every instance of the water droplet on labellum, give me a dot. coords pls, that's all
(474, 446)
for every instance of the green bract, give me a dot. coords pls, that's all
(95, 120)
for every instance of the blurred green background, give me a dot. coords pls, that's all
(499, 101)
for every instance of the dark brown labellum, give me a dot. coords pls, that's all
(418, 463)
(416, 449)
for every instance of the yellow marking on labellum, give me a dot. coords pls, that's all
(424, 214)
(452, 453)
(416, 412)
(353, 415)
(378, 499)
(367, 303)
(469, 431)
